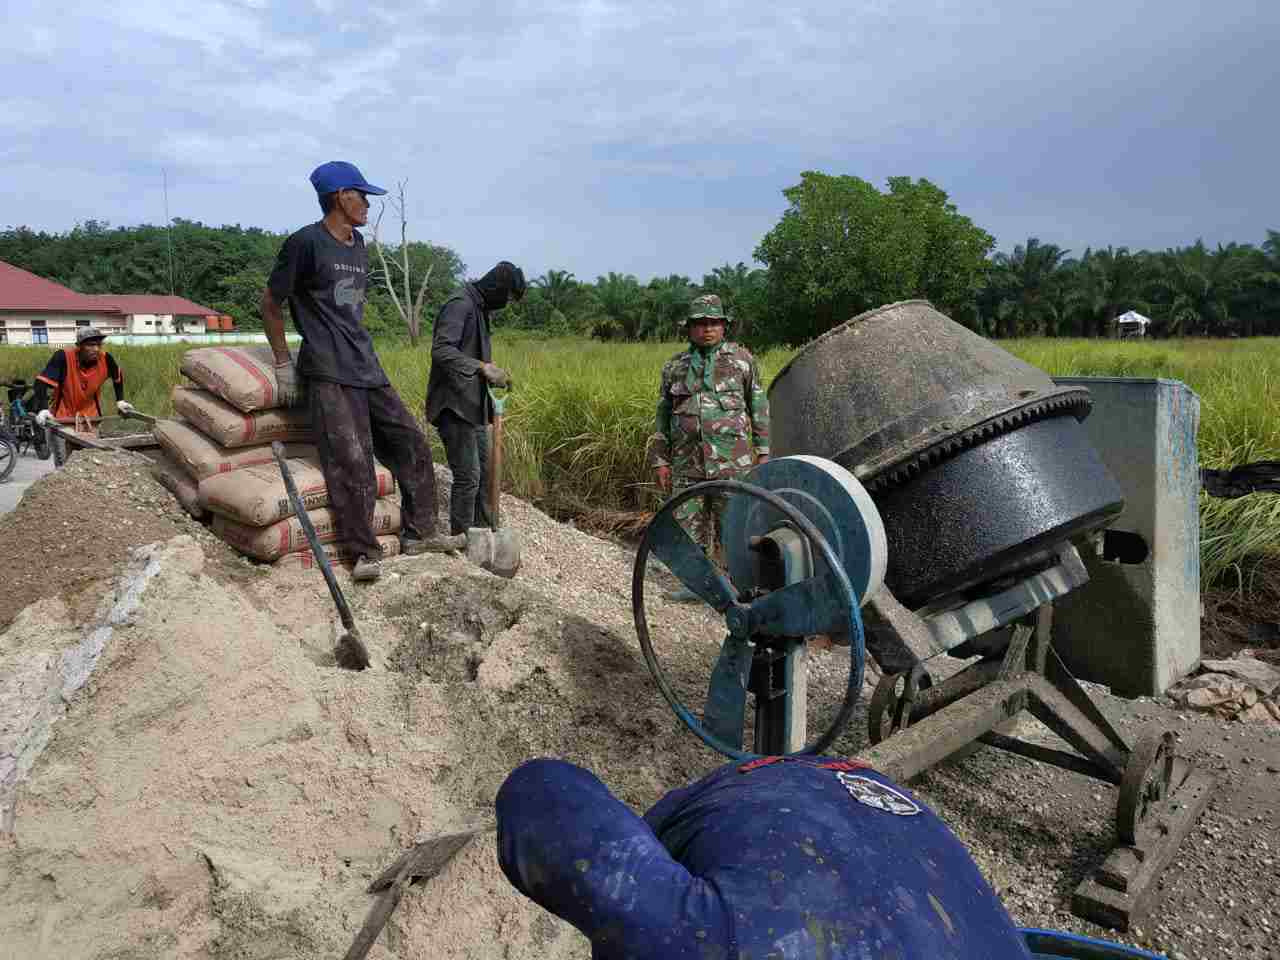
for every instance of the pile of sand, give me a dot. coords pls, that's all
(220, 788)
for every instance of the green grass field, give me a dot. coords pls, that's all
(580, 412)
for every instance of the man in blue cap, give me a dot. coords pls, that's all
(322, 271)
(777, 858)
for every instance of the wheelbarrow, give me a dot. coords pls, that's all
(66, 435)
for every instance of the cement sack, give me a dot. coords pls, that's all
(200, 457)
(256, 495)
(286, 536)
(173, 478)
(245, 377)
(336, 552)
(226, 425)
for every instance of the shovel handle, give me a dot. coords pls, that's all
(322, 560)
(76, 439)
(493, 492)
(138, 415)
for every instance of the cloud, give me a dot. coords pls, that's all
(648, 138)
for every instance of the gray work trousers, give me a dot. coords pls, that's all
(466, 445)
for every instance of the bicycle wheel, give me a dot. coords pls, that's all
(8, 457)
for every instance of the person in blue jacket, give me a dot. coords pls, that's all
(775, 859)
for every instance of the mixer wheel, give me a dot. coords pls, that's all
(883, 712)
(1148, 780)
(824, 602)
(890, 710)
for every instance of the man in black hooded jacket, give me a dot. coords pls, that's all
(458, 388)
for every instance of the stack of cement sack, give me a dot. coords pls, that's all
(217, 460)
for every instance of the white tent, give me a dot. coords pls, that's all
(1132, 324)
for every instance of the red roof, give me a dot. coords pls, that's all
(132, 303)
(20, 290)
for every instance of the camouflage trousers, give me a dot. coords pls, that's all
(700, 517)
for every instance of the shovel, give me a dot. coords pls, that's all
(351, 651)
(139, 415)
(420, 862)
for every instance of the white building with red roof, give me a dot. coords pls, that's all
(157, 313)
(34, 310)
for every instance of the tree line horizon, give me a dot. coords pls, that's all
(841, 247)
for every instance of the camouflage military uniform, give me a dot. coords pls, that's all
(712, 423)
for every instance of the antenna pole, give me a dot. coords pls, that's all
(168, 227)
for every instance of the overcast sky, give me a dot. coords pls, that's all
(647, 138)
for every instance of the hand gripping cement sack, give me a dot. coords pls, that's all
(200, 457)
(286, 536)
(256, 495)
(226, 425)
(245, 377)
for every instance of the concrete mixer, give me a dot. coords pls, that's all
(929, 496)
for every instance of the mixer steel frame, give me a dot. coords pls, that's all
(1160, 797)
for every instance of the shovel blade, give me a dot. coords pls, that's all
(351, 653)
(424, 860)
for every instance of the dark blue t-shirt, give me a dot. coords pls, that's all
(324, 281)
(787, 860)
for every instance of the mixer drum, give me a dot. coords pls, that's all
(975, 459)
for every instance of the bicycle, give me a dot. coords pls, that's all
(23, 430)
(8, 452)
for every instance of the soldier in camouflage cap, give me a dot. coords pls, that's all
(712, 422)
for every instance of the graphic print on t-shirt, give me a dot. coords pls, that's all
(347, 294)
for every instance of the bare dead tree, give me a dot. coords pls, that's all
(410, 309)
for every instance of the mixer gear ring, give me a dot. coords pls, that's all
(1076, 404)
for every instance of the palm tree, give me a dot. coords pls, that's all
(1196, 287)
(742, 290)
(667, 301)
(561, 288)
(1104, 284)
(616, 308)
(1030, 275)
(1265, 284)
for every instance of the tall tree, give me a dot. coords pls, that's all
(1104, 284)
(1196, 286)
(842, 247)
(667, 302)
(1032, 289)
(397, 275)
(743, 291)
(561, 288)
(616, 308)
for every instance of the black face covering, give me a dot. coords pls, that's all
(503, 282)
